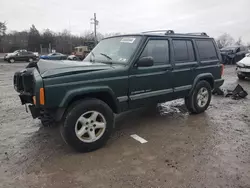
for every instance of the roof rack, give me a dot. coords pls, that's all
(202, 34)
(166, 32)
(160, 31)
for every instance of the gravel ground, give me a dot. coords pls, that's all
(206, 150)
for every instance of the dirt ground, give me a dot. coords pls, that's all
(206, 150)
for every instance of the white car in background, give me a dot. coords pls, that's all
(243, 67)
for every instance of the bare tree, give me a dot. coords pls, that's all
(248, 45)
(34, 39)
(3, 29)
(239, 42)
(224, 40)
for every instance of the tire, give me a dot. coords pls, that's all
(83, 117)
(30, 60)
(241, 77)
(188, 105)
(11, 60)
(200, 98)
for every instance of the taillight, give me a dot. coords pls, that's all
(222, 70)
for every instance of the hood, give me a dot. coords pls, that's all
(245, 61)
(53, 68)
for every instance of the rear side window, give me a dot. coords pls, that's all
(183, 51)
(158, 49)
(206, 50)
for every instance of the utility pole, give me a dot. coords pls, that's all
(95, 22)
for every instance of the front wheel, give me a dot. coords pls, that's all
(200, 98)
(241, 77)
(88, 125)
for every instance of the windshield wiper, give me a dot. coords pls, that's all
(106, 56)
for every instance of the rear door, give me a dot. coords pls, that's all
(185, 63)
(152, 84)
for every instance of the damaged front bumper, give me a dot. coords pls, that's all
(244, 71)
(35, 112)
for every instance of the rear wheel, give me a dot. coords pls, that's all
(188, 104)
(11, 60)
(88, 125)
(200, 98)
(241, 77)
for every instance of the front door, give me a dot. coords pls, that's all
(152, 84)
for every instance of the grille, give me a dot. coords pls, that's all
(18, 82)
(24, 81)
(248, 67)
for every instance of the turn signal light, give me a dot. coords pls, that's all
(42, 98)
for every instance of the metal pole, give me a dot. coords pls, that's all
(95, 23)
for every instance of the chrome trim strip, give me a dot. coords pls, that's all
(122, 98)
(181, 88)
(151, 94)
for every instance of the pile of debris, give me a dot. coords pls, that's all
(237, 93)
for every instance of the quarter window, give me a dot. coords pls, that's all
(206, 50)
(158, 49)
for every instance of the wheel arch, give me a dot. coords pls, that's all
(204, 76)
(102, 93)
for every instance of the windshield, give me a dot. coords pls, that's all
(114, 50)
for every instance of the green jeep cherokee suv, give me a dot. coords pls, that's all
(120, 73)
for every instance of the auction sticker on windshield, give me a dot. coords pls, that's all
(128, 40)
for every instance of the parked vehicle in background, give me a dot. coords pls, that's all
(16, 51)
(121, 73)
(233, 54)
(21, 56)
(73, 58)
(54, 56)
(243, 67)
(81, 52)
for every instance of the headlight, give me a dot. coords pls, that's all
(241, 64)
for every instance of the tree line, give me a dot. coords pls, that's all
(65, 42)
(36, 41)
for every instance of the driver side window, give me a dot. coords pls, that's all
(159, 50)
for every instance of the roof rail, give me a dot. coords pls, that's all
(202, 34)
(160, 31)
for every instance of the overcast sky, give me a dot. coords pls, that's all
(212, 16)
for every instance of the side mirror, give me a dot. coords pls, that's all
(145, 62)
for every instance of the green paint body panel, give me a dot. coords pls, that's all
(129, 86)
